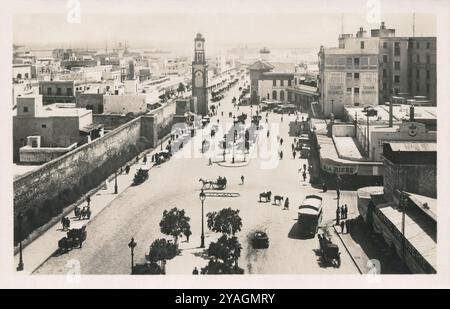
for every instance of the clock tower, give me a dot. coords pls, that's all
(200, 75)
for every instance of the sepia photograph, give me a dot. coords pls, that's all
(225, 138)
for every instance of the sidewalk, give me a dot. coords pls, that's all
(39, 250)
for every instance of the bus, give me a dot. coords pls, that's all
(310, 215)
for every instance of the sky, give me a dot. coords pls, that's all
(283, 29)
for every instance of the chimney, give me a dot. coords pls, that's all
(411, 113)
(391, 116)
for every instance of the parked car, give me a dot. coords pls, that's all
(260, 240)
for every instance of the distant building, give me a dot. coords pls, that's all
(270, 81)
(61, 91)
(40, 133)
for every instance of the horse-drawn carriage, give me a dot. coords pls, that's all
(140, 176)
(162, 157)
(329, 252)
(76, 235)
(219, 184)
(241, 118)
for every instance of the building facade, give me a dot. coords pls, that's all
(200, 75)
(348, 76)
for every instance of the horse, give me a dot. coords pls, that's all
(205, 182)
(265, 195)
(277, 199)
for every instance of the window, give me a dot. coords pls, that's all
(356, 61)
(349, 75)
(274, 83)
(384, 86)
(49, 91)
(43, 126)
(397, 65)
(362, 44)
(428, 45)
(349, 90)
(385, 45)
(428, 58)
(384, 73)
(69, 91)
(58, 91)
(356, 75)
(417, 73)
(396, 49)
(356, 90)
(418, 58)
(428, 74)
(274, 95)
(356, 104)
(25, 109)
(349, 61)
(397, 79)
(281, 83)
(385, 58)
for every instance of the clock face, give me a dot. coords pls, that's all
(198, 79)
(199, 45)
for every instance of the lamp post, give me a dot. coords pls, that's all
(234, 142)
(115, 183)
(332, 106)
(224, 146)
(131, 245)
(19, 221)
(202, 197)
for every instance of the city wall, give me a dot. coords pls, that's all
(43, 194)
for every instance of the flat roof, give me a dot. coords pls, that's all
(413, 146)
(53, 110)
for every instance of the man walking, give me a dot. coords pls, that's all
(304, 176)
(342, 226)
(145, 159)
(345, 211)
(88, 200)
(293, 154)
(286, 204)
(195, 271)
(337, 215)
(342, 212)
(242, 179)
(338, 193)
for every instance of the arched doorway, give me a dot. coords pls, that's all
(274, 95)
(282, 95)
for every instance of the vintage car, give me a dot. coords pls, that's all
(140, 176)
(260, 240)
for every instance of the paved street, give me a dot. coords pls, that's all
(137, 210)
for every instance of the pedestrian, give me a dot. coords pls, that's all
(286, 204)
(210, 161)
(153, 158)
(68, 223)
(294, 153)
(345, 211)
(281, 141)
(268, 133)
(324, 187)
(281, 155)
(281, 118)
(242, 179)
(292, 147)
(304, 167)
(88, 200)
(145, 159)
(338, 193)
(127, 169)
(347, 226)
(337, 215)
(342, 212)
(342, 226)
(137, 159)
(63, 223)
(304, 176)
(195, 271)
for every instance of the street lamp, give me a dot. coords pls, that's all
(224, 146)
(115, 183)
(234, 142)
(19, 221)
(332, 106)
(202, 197)
(131, 245)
